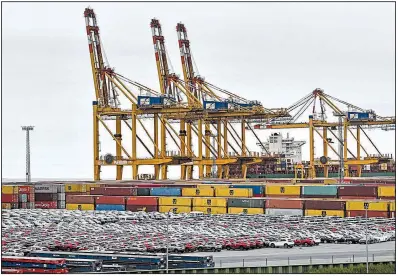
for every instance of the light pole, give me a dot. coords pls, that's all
(27, 129)
(167, 239)
(366, 206)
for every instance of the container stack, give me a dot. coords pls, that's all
(324, 208)
(142, 203)
(80, 202)
(289, 207)
(9, 197)
(245, 206)
(180, 204)
(210, 205)
(375, 209)
(46, 196)
(110, 203)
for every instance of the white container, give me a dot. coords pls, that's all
(61, 188)
(45, 188)
(285, 212)
(61, 204)
(61, 196)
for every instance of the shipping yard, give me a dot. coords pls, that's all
(233, 204)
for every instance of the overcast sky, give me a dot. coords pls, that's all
(273, 52)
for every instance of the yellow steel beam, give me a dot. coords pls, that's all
(200, 150)
(156, 144)
(325, 151)
(114, 138)
(207, 149)
(312, 157)
(346, 171)
(163, 137)
(126, 94)
(325, 141)
(243, 138)
(134, 140)
(97, 168)
(119, 169)
(183, 168)
(219, 149)
(209, 162)
(358, 138)
(189, 148)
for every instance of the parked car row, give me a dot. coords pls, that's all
(61, 230)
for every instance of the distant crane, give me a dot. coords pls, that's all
(28, 129)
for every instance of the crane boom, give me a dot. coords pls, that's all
(186, 59)
(102, 87)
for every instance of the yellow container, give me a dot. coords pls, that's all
(282, 190)
(373, 206)
(210, 210)
(213, 202)
(337, 213)
(386, 191)
(83, 207)
(178, 209)
(197, 192)
(238, 210)
(6, 206)
(330, 181)
(9, 189)
(90, 185)
(392, 206)
(200, 186)
(233, 192)
(175, 201)
(73, 188)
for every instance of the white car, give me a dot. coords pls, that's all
(286, 243)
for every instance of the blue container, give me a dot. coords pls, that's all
(358, 116)
(110, 207)
(257, 190)
(215, 105)
(148, 100)
(165, 191)
(328, 190)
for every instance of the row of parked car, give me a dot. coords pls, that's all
(60, 230)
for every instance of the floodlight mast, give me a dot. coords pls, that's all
(28, 129)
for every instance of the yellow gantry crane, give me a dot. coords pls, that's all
(353, 118)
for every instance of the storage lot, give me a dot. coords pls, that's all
(27, 230)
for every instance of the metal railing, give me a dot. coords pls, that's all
(321, 258)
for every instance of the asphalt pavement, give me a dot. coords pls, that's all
(323, 253)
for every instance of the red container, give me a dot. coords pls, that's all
(284, 196)
(120, 192)
(82, 199)
(142, 200)
(46, 197)
(9, 198)
(284, 204)
(46, 205)
(362, 191)
(357, 197)
(146, 208)
(97, 190)
(387, 197)
(24, 189)
(121, 200)
(148, 185)
(125, 185)
(324, 205)
(318, 196)
(371, 214)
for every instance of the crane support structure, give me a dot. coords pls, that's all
(203, 111)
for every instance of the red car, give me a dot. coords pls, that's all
(304, 242)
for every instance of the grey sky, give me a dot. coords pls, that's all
(273, 52)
